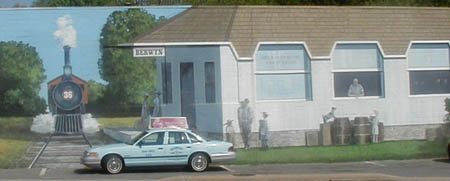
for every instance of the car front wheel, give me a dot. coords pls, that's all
(113, 164)
(199, 162)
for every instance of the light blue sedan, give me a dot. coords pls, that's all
(162, 146)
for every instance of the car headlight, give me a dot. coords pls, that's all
(92, 154)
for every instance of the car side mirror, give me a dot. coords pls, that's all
(140, 144)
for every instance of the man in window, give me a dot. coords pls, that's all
(355, 89)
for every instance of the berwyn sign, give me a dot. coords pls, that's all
(149, 52)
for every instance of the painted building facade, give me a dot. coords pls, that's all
(295, 63)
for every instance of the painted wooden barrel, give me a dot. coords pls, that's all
(342, 131)
(380, 132)
(326, 134)
(362, 130)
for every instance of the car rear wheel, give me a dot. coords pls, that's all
(199, 162)
(113, 164)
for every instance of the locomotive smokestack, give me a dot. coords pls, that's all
(67, 66)
(66, 55)
(67, 36)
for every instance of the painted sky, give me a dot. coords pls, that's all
(11, 3)
(36, 27)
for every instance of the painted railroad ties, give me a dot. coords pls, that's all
(59, 151)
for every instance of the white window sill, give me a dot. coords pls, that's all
(358, 98)
(356, 70)
(428, 69)
(430, 95)
(283, 100)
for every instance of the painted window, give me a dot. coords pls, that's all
(429, 68)
(282, 72)
(210, 82)
(358, 70)
(166, 82)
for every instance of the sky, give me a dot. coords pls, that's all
(35, 26)
(11, 3)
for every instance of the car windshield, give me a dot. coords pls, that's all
(137, 137)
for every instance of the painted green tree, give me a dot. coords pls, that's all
(21, 74)
(128, 77)
(96, 91)
(53, 3)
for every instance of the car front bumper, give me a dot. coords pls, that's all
(223, 157)
(91, 162)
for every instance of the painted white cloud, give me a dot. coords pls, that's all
(66, 34)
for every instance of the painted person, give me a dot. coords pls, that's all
(144, 110)
(355, 89)
(245, 118)
(144, 113)
(264, 131)
(374, 120)
(157, 104)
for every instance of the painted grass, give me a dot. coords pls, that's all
(15, 137)
(397, 150)
(117, 122)
(11, 150)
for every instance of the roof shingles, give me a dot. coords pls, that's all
(319, 27)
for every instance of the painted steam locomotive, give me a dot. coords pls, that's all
(67, 95)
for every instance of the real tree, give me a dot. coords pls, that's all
(21, 74)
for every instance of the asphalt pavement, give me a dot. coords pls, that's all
(423, 169)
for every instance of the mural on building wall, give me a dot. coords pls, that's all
(181, 80)
(136, 76)
(64, 62)
(95, 33)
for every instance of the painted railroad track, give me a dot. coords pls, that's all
(58, 151)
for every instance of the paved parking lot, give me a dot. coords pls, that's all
(423, 169)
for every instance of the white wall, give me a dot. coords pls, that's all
(396, 108)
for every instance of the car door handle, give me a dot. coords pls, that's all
(188, 146)
(160, 148)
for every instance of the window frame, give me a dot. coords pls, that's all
(306, 72)
(380, 69)
(409, 70)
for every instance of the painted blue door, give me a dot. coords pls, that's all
(188, 93)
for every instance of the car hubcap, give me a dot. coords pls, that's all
(114, 165)
(199, 163)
